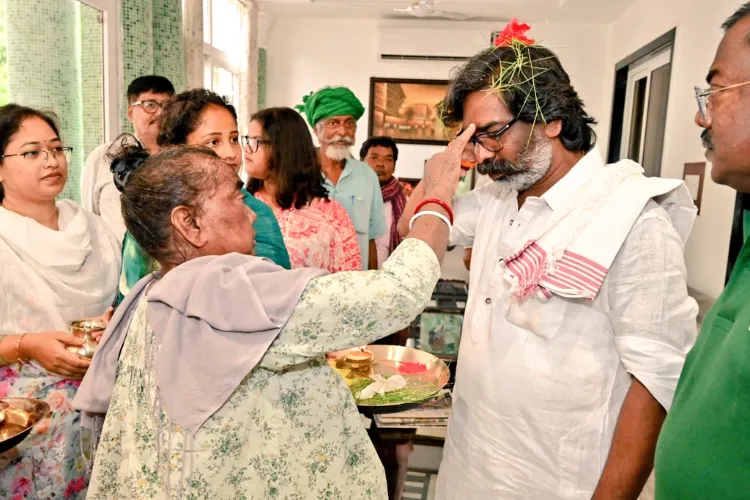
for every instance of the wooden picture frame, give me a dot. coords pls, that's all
(406, 110)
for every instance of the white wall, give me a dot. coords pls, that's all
(698, 34)
(304, 55)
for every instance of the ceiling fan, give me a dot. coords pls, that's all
(426, 9)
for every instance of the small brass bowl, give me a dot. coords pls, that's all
(84, 329)
(360, 361)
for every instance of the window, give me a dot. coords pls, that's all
(224, 47)
(646, 106)
(639, 109)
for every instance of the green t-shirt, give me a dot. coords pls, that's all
(704, 447)
(269, 243)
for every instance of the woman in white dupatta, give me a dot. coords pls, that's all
(58, 263)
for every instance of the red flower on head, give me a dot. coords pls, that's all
(513, 31)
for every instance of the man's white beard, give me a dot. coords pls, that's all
(338, 153)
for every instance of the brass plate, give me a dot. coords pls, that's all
(21, 416)
(388, 358)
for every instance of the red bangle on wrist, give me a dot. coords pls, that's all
(436, 202)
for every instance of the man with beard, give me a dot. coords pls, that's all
(333, 113)
(381, 153)
(146, 97)
(578, 317)
(704, 448)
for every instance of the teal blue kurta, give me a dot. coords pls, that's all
(269, 243)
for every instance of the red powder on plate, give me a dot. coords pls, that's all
(409, 367)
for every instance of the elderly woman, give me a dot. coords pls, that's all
(58, 263)
(284, 173)
(212, 373)
(201, 117)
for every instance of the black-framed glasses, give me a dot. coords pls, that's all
(252, 143)
(149, 106)
(491, 141)
(42, 155)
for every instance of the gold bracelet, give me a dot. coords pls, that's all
(18, 351)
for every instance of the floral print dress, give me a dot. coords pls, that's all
(49, 463)
(291, 429)
(319, 235)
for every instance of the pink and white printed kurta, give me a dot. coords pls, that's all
(319, 235)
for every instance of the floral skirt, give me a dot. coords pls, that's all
(48, 463)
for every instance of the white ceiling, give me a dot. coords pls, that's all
(589, 11)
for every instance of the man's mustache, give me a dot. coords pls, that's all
(342, 138)
(706, 140)
(494, 166)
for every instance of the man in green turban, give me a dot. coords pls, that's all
(333, 113)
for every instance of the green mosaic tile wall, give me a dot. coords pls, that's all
(4, 92)
(152, 43)
(52, 83)
(56, 63)
(92, 78)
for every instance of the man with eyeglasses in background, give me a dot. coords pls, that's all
(578, 317)
(333, 113)
(146, 97)
(704, 447)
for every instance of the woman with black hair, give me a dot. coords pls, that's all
(201, 117)
(58, 263)
(283, 165)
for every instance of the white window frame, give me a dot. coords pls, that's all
(112, 62)
(639, 71)
(213, 57)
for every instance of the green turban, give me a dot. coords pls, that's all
(330, 101)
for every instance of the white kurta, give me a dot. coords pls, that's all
(50, 278)
(540, 385)
(99, 193)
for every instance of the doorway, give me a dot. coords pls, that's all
(639, 110)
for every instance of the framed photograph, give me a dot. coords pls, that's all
(407, 111)
(440, 333)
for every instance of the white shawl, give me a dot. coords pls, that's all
(49, 278)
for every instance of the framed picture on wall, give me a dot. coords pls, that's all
(407, 111)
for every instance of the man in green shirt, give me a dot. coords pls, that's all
(704, 447)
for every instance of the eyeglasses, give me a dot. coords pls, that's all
(702, 95)
(149, 106)
(333, 124)
(252, 143)
(491, 140)
(42, 155)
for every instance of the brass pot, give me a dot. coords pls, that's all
(84, 329)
